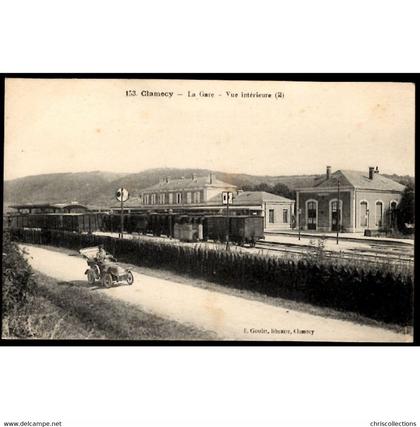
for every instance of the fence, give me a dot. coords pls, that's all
(380, 295)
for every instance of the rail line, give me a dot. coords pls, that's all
(365, 257)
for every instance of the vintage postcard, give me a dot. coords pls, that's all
(217, 211)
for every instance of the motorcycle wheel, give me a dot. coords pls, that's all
(91, 277)
(107, 280)
(130, 278)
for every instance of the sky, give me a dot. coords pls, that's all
(80, 125)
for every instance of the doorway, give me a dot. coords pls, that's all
(312, 215)
(335, 216)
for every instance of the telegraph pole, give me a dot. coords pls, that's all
(338, 209)
(298, 218)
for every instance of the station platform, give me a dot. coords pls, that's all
(346, 236)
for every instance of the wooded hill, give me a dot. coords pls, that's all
(98, 188)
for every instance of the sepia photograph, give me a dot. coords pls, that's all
(214, 211)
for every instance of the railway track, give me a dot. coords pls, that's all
(364, 256)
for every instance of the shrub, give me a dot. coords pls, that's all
(17, 281)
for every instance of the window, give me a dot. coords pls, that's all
(196, 197)
(146, 199)
(363, 214)
(171, 198)
(285, 215)
(271, 216)
(378, 214)
(178, 198)
(153, 199)
(162, 198)
(188, 197)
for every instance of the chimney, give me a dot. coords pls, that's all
(194, 176)
(328, 172)
(371, 170)
(377, 169)
(167, 179)
(211, 178)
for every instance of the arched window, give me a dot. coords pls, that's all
(379, 210)
(364, 214)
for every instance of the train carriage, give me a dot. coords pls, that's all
(214, 228)
(136, 223)
(246, 229)
(242, 229)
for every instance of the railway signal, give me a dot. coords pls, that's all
(227, 198)
(122, 196)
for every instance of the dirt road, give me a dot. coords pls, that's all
(230, 317)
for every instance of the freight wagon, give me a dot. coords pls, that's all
(242, 229)
(77, 222)
(136, 223)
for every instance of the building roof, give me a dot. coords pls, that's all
(49, 205)
(258, 198)
(186, 183)
(360, 180)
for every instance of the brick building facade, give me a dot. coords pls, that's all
(367, 200)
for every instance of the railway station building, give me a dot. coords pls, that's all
(185, 191)
(278, 211)
(204, 195)
(352, 201)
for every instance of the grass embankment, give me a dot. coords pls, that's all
(63, 310)
(113, 319)
(35, 306)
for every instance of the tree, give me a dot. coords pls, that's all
(263, 186)
(283, 190)
(405, 210)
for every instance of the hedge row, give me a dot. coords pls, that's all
(17, 280)
(380, 295)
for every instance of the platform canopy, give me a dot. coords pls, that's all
(57, 206)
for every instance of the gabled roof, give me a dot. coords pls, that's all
(360, 180)
(258, 198)
(186, 183)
